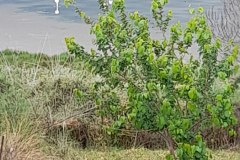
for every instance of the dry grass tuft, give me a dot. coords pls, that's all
(21, 141)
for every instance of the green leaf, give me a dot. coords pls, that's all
(66, 3)
(163, 60)
(176, 67)
(198, 138)
(110, 20)
(141, 49)
(234, 120)
(162, 74)
(193, 149)
(192, 93)
(150, 86)
(191, 11)
(141, 23)
(222, 75)
(202, 21)
(97, 101)
(108, 130)
(117, 44)
(200, 9)
(198, 155)
(113, 108)
(230, 59)
(113, 69)
(216, 121)
(209, 108)
(232, 132)
(191, 106)
(198, 35)
(169, 157)
(170, 13)
(139, 123)
(210, 155)
(154, 5)
(171, 127)
(97, 27)
(187, 147)
(162, 2)
(151, 57)
(227, 114)
(185, 124)
(166, 103)
(225, 124)
(198, 149)
(102, 112)
(146, 95)
(207, 34)
(161, 122)
(136, 14)
(218, 43)
(179, 152)
(236, 68)
(78, 93)
(82, 14)
(219, 97)
(122, 119)
(206, 47)
(136, 22)
(114, 65)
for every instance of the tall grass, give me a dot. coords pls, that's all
(41, 88)
(21, 139)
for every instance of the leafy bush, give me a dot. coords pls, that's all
(165, 93)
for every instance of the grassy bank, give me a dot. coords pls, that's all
(41, 118)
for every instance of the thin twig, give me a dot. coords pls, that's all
(201, 120)
(75, 115)
(1, 147)
(155, 105)
(40, 57)
(135, 141)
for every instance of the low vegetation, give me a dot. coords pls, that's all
(143, 101)
(30, 116)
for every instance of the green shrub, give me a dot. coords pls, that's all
(165, 94)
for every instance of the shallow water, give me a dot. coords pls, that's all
(32, 25)
(47, 8)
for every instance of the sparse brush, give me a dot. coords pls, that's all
(44, 93)
(22, 140)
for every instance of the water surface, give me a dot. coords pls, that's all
(32, 25)
(90, 7)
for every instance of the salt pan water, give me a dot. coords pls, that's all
(90, 7)
(32, 25)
